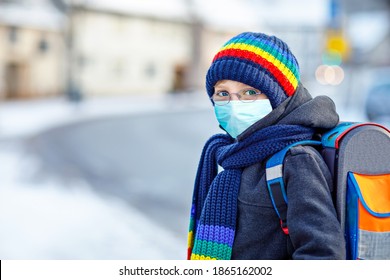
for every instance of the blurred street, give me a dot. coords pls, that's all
(140, 161)
(146, 159)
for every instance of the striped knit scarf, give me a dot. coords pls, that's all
(214, 205)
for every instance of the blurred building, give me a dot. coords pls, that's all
(128, 47)
(125, 47)
(31, 49)
(141, 46)
(83, 48)
(136, 47)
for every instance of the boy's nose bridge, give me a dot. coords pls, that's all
(235, 96)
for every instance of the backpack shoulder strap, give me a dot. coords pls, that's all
(275, 184)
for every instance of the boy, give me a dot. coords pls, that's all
(254, 86)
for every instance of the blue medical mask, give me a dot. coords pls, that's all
(236, 116)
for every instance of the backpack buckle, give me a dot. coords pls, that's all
(284, 227)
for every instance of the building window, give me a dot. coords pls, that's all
(43, 45)
(13, 34)
(150, 70)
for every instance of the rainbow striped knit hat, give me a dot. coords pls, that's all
(258, 60)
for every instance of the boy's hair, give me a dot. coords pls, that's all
(258, 60)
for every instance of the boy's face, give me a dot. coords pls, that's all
(234, 88)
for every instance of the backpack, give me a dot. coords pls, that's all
(358, 157)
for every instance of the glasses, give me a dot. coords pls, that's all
(221, 98)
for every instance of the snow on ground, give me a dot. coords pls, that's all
(23, 118)
(45, 219)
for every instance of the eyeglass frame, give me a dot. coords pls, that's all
(238, 94)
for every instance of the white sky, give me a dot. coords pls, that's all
(232, 13)
(34, 15)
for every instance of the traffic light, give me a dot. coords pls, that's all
(336, 48)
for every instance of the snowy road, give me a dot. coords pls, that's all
(110, 186)
(148, 161)
(44, 218)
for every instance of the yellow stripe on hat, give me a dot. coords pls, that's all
(267, 56)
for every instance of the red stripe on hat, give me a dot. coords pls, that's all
(244, 54)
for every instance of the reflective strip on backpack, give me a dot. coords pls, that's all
(274, 172)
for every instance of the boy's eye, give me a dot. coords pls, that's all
(223, 94)
(251, 92)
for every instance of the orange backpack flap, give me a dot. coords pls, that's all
(368, 216)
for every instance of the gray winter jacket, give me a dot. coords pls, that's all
(314, 231)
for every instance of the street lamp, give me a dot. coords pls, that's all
(73, 91)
